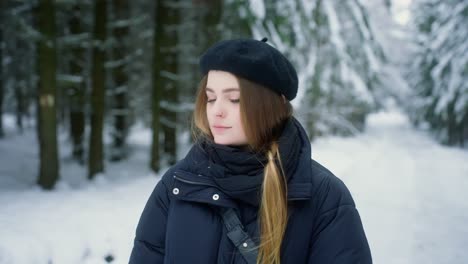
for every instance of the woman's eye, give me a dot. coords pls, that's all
(210, 100)
(235, 101)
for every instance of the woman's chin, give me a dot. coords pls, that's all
(228, 142)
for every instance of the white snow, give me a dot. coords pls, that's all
(258, 8)
(410, 191)
(335, 29)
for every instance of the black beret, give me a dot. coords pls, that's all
(253, 60)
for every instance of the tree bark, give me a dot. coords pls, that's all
(159, 83)
(96, 152)
(20, 98)
(19, 84)
(167, 20)
(77, 91)
(47, 119)
(120, 94)
(156, 93)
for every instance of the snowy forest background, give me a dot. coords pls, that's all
(96, 100)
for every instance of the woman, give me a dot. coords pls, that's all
(248, 190)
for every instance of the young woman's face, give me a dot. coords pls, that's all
(223, 108)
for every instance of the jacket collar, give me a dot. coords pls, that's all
(194, 182)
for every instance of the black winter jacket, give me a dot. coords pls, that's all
(181, 222)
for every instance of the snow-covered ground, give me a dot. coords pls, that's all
(411, 192)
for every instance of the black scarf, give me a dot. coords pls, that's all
(239, 172)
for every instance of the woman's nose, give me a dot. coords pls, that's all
(219, 110)
(219, 113)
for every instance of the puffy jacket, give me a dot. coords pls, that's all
(181, 222)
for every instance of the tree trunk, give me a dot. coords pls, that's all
(19, 82)
(47, 119)
(96, 152)
(156, 91)
(120, 106)
(167, 79)
(20, 100)
(77, 91)
(163, 61)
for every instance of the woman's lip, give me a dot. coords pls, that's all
(219, 129)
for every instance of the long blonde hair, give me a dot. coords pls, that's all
(263, 115)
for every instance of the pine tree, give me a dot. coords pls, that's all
(332, 46)
(237, 19)
(74, 53)
(165, 81)
(22, 51)
(141, 35)
(121, 58)
(47, 110)
(439, 69)
(96, 146)
(19, 58)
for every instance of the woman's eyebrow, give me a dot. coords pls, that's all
(227, 90)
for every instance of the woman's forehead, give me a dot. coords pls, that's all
(225, 90)
(221, 80)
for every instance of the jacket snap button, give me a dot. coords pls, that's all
(175, 191)
(244, 245)
(215, 197)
